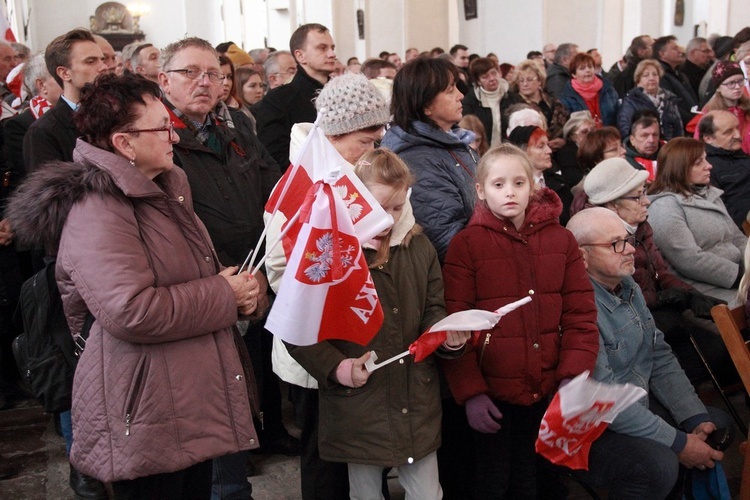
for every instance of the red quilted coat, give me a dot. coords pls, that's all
(527, 354)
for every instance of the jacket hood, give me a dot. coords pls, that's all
(544, 207)
(423, 134)
(38, 209)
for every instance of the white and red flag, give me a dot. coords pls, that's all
(5, 30)
(326, 291)
(319, 160)
(578, 415)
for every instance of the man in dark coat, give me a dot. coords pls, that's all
(642, 147)
(640, 49)
(699, 56)
(312, 48)
(231, 176)
(720, 131)
(558, 73)
(669, 55)
(73, 59)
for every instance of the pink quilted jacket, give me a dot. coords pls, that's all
(160, 385)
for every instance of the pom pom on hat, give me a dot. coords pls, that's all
(611, 179)
(349, 103)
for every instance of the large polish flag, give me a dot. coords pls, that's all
(326, 291)
(318, 160)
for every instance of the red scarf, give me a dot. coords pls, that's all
(39, 105)
(590, 94)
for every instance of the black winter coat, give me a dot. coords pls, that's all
(280, 109)
(670, 122)
(731, 174)
(52, 137)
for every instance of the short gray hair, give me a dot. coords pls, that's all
(272, 64)
(695, 44)
(583, 224)
(35, 69)
(170, 51)
(564, 51)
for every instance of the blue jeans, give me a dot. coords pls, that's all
(230, 477)
(66, 426)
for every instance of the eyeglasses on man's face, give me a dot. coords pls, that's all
(618, 246)
(197, 74)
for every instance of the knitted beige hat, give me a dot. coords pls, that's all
(349, 103)
(611, 179)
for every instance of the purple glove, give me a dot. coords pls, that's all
(482, 414)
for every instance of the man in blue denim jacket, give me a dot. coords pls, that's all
(638, 456)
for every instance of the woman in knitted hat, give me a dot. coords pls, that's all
(614, 184)
(691, 225)
(731, 95)
(352, 114)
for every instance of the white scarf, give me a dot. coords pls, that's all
(492, 100)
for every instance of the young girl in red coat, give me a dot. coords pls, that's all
(514, 246)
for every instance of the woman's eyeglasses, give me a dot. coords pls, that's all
(617, 246)
(735, 83)
(169, 128)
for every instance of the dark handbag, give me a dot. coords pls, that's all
(46, 353)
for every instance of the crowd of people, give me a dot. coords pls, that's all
(617, 199)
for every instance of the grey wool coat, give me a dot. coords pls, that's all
(699, 240)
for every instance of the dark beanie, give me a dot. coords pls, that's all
(723, 46)
(520, 136)
(724, 70)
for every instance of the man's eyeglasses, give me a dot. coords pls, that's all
(197, 74)
(735, 83)
(169, 128)
(617, 246)
(638, 198)
(290, 72)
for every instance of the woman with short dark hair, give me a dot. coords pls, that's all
(488, 98)
(586, 91)
(160, 388)
(691, 225)
(426, 106)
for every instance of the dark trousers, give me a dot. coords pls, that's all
(193, 483)
(321, 480)
(455, 457)
(505, 463)
(259, 342)
(635, 468)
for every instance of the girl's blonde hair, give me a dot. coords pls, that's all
(382, 166)
(501, 151)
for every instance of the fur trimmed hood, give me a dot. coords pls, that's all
(38, 209)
